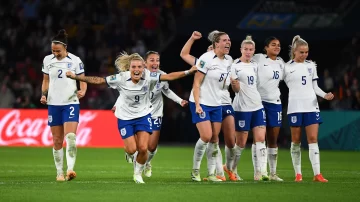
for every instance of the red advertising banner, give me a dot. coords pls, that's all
(22, 127)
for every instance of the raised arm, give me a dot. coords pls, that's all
(185, 51)
(171, 95)
(87, 79)
(177, 75)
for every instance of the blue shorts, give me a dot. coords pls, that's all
(304, 119)
(212, 114)
(156, 123)
(227, 110)
(244, 121)
(128, 128)
(273, 114)
(58, 115)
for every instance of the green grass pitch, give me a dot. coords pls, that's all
(28, 174)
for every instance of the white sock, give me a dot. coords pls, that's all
(272, 158)
(138, 168)
(219, 161)
(59, 160)
(261, 157)
(71, 150)
(314, 155)
(199, 152)
(229, 156)
(296, 157)
(211, 154)
(253, 157)
(150, 156)
(237, 151)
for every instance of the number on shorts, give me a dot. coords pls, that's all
(279, 116)
(158, 121)
(60, 72)
(72, 111)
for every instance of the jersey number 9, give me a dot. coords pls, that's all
(137, 98)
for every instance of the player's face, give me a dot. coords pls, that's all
(301, 53)
(247, 51)
(153, 62)
(210, 48)
(58, 50)
(224, 44)
(136, 70)
(273, 48)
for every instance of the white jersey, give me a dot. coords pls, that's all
(134, 99)
(225, 94)
(216, 73)
(299, 79)
(62, 90)
(270, 72)
(248, 98)
(157, 98)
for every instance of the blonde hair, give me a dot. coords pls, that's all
(296, 42)
(248, 40)
(214, 37)
(122, 62)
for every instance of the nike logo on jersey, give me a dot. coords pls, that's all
(292, 71)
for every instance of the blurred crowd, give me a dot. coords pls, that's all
(99, 30)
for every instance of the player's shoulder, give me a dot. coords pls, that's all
(310, 62)
(228, 57)
(73, 57)
(210, 55)
(161, 72)
(48, 58)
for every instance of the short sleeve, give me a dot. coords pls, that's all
(166, 85)
(45, 67)
(202, 64)
(315, 75)
(113, 81)
(79, 67)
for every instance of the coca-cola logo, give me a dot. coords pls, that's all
(15, 129)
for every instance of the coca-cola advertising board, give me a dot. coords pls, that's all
(22, 127)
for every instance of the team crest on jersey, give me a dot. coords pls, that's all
(310, 70)
(242, 123)
(293, 119)
(157, 85)
(50, 119)
(69, 65)
(123, 132)
(202, 115)
(145, 88)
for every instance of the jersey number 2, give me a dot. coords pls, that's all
(60, 72)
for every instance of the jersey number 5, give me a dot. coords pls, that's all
(303, 78)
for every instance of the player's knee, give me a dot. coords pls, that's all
(143, 148)
(152, 147)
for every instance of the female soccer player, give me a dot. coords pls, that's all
(270, 72)
(205, 101)
(228, 127)
(152, 62)
(135, 84)
(303, 109)
(249, 111)
(62, 97)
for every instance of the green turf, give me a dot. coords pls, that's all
(28, 174)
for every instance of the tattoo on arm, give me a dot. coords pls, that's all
(45, 93)
(91, 79)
